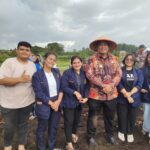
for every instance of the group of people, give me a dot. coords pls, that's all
(101, 83)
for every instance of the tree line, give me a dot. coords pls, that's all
(59, 50)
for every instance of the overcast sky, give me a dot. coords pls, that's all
(75, 23)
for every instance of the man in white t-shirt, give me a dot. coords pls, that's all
(17, 95)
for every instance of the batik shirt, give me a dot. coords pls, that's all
(100, 72)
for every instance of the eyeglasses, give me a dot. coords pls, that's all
(128, 59)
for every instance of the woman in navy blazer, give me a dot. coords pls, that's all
(129, 98)
(46, 84)
(75, 89)
(146, 96)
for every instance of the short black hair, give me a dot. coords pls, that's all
(75, 57)
(48, 54)
(99, 42)
(127, 57)
(142, 46)
(25, 44)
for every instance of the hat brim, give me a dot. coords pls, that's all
(112, 45)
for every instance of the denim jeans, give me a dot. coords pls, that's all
(16, 119)
(146, 118)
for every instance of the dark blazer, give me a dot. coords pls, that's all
(138, 81)
(69, 86)
(145, 96)
(41, 89)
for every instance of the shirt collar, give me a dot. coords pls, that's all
(109, 55)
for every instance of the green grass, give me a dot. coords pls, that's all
(63, 64)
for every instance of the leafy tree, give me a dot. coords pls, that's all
(55, 47)
(127, 47)
(37, 49)
(4, 54)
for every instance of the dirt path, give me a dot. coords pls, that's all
(139, 144)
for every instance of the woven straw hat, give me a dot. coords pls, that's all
(112, 44)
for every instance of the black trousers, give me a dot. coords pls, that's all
(109, 109)
(16, 119)
(71, 121)
(126, 118)
(52, 124)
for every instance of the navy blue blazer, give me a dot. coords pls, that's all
(69, 86)
(138, 81)
(145, 96)
(41, 89)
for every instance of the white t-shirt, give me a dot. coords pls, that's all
(22, 94)
(51, 84)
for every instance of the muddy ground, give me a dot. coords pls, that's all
(141, 142)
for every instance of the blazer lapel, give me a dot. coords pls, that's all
(73, 74)
(57, 79)
(124, 76)
(146, 72)
(82, 80)
(135, 77)
(44, 79)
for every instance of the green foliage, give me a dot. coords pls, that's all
(85, 53)
(126, 47)
(6, 54)
(63, 61)
(55, 47)
(51, 47)
(63, 64)
(37, 49)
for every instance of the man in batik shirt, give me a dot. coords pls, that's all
(104, 74)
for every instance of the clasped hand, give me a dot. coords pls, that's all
(80, 98)
(54, 105)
